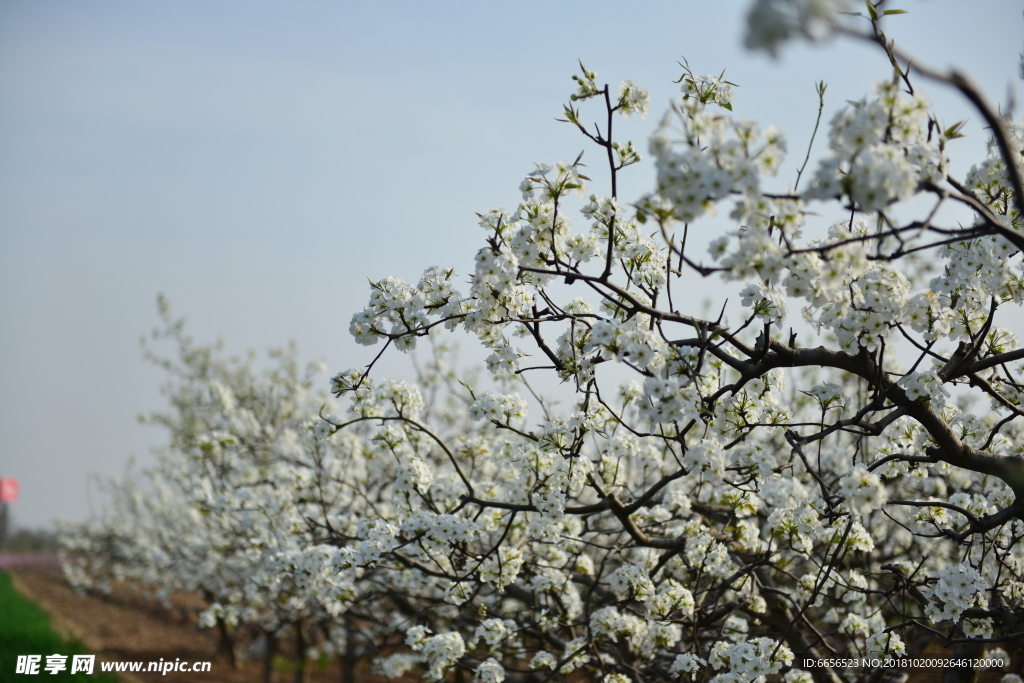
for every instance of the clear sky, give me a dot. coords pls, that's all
(258, 161)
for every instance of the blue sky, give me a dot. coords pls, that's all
(257, 162)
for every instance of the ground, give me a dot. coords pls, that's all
(123, 626)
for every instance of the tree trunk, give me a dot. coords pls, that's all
(300, 654)
(227, 642)
(348, 660)
(268, 658)
(963, 674)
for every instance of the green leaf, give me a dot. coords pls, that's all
(871, 10)
(953, 131)
(726, 106)
(895, 11)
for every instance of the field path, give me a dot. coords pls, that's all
(125, 627)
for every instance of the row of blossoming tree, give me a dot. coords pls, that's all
(709, 500)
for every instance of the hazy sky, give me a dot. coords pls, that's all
(257, 162)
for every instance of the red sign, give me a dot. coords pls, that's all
(8, 490)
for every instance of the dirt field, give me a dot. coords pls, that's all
(123, 627)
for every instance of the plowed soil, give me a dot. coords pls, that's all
(124, 626)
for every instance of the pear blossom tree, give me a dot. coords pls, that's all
(255, 505)
(752, 502)
(731, 499)
(224, 512)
